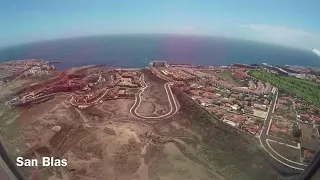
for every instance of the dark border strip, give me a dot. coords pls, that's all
(311, 169)
(10, 164)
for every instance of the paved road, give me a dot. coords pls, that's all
(264, 137)
(97, 100)
(264, 140)
(171, 99)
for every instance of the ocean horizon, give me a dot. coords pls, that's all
(136, 51)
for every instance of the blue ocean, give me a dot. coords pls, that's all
(137, 50)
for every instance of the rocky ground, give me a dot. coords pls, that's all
(106, 142)
(154, 100)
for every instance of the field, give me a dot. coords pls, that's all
(226, 76)
(286, 151)
(305, 89)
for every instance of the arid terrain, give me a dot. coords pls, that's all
(154, 98)
(106, 141)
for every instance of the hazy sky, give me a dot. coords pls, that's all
(286, 22)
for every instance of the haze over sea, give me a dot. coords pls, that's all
(135, 51)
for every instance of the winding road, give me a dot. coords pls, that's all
(173, 111)
(265, 138)
(171, 99)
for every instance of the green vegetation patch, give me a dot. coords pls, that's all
(305, 89)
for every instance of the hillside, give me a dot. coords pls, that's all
(233, 153)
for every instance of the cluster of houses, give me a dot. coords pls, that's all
(117, 87)
(128, 79)
(309, 118)
(305, 113)
(240, 73)
(281, 126)
(82, 85)
(246, 123)
(85, 100)
(234, 108)
(21, 68)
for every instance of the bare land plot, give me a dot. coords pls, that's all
(226, 76)
(154, 100)
(169, 163)
(96, 114)
(290, 153)
(177, 126)
(112, 151)
(117, 108)
(259, 113)
(310, 137)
